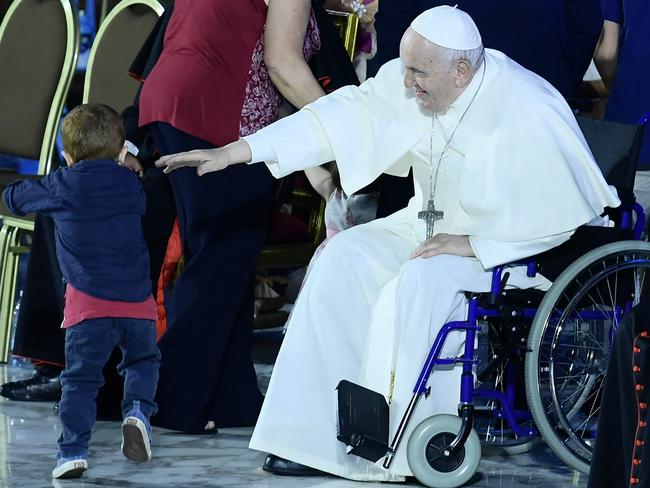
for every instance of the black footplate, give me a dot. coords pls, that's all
(363, 421)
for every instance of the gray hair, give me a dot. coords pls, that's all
(474, 57)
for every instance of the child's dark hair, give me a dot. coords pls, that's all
(92, 131)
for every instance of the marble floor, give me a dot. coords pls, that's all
(28, 433)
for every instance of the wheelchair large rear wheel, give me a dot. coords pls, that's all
(570, 341)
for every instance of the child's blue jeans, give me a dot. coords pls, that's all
(88, 346)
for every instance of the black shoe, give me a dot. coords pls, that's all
(283, 467)
(44, 386)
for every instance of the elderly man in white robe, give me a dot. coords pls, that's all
(501, 172)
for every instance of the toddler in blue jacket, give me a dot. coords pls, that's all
(97, 205)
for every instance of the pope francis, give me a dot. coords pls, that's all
(501, 172)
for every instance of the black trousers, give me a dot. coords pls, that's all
(38, 334)
(207, 370)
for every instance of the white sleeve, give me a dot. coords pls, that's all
(291, 144)
(493, 253)
(366, 129)
(261, 150)
(132, 148)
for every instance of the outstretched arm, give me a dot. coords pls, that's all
(299, 134)
(208, 160)
(26, 196)
(349, 126)
(321, 180)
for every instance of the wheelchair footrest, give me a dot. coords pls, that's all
(362, 421)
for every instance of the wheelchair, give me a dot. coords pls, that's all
(539, 370)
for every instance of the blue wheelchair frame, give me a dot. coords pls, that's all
(468, 360)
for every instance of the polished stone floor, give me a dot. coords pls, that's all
(28, 433)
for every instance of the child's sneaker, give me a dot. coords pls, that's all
(71, 467)
(136, 445)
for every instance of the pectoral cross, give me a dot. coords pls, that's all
(430, 215)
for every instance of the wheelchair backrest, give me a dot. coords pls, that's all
(616, 148)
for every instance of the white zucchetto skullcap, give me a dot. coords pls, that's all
(448, 27)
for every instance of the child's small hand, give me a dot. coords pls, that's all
(133, 163)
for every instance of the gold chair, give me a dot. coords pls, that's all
(348, 26)
(39, 45)
(118, 40)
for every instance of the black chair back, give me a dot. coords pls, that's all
(616, 148)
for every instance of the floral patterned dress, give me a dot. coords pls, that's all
(262, 101)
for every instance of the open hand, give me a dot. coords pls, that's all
(197, 158)
(207, 160)
(444, 244)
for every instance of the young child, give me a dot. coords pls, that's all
(97, 205)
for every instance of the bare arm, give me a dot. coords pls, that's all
(286, 25)
(321, 180)
(606, 55)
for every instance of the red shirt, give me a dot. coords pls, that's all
(198, 84)
(79, 306)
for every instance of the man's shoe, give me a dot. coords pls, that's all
(136, 444)
(284, 467)
(71, 467)
(44, 386)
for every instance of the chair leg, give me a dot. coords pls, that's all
(4, 332)
(4, 246)
(8, 272)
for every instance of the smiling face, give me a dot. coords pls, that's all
(436, 81)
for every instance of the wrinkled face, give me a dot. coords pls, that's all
(434, 80)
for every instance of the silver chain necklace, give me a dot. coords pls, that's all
(431, 215)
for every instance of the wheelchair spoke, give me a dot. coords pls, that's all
(552, 409)
(575, 346)
(502, 423)
(595, 408)
(597, 304)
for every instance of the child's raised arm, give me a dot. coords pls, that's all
(27, 196)
(321, 180)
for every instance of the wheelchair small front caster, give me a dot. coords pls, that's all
(429, 463)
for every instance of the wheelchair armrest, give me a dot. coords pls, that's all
(500, 275)
(552, 262)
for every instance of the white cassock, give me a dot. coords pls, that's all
(518, 178)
